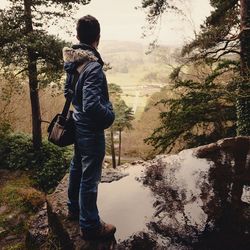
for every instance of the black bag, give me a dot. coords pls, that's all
(62, 128)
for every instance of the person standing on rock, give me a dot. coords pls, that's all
(93, 112)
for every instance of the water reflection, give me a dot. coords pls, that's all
(198, 199)
(202, 201)
(126, 203)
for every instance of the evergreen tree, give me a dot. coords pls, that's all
(28, 51)
(224, 36)
(226, 32)
(200, 112)
(115, 95)
(123, 117)
(243, 102)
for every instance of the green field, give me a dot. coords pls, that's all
(138, 74)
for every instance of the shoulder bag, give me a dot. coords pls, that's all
(61, 130)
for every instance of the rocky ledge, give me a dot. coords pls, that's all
(197, 199)
(52, 218)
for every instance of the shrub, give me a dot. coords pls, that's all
(48, 165)
(51, 163)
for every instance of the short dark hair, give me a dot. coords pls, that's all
(88, 29)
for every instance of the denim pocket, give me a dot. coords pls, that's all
(91, 144)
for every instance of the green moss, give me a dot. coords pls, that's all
(10, 196)
(12, 193)
(20, 196)
(3, 220)
(21, 201)
(17, 246)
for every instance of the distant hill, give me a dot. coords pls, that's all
(123, 54)
(111, 46)
(138, 74)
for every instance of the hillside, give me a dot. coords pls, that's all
(139, 75)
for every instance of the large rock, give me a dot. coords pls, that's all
(51, 219)
(199, 199)
(203, 196)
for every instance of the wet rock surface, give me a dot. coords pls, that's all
(202, 200)
(53, 217)
(112, 175)
(197, 199)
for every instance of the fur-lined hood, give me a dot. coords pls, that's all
(78, 55)
(74, 58)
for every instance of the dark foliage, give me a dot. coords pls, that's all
(223, 38)
(201, 111)
(47, 166)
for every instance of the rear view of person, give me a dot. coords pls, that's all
(93, 113)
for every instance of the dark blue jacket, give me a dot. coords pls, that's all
(92, 108)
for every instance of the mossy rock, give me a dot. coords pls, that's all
(19, 201)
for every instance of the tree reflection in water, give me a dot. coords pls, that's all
(199, 196)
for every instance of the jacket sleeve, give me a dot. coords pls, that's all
(91, 93)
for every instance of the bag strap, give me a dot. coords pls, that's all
(70, 95)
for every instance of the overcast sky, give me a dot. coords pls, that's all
(120, 21)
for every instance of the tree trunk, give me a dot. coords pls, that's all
(112, 148)
(243, 102)
(33, 81)
(120, 147)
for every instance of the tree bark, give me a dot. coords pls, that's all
(112, 148)
(120, 147)
(243, 102)
(33, 81)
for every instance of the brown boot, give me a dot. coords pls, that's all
(103, 232)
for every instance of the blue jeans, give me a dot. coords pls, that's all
(85, 175)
